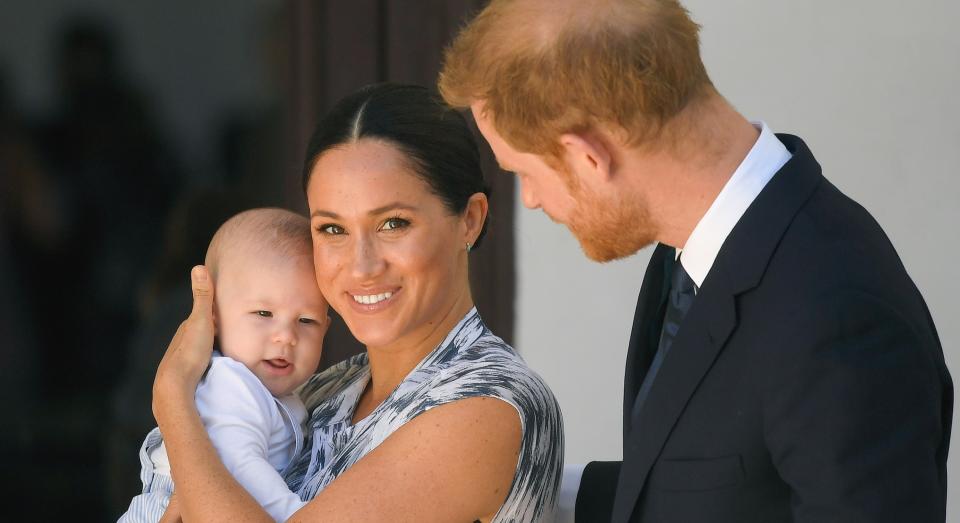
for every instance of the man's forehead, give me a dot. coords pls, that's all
(485, 122)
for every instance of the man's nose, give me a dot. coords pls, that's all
(528, 197)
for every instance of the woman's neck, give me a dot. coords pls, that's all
(390, 365)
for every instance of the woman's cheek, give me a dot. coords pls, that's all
(327, 263)
(323, 258)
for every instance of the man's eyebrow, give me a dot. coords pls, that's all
(373, 212)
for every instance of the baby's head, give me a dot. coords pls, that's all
(269, 313)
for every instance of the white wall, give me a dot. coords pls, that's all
(872, 86)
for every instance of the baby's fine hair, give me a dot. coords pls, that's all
(270, 229)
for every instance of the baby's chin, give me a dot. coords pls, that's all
(282, 389)
(278, 390)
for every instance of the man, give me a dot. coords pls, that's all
(782, 365)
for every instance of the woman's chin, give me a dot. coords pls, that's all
(371, 335)
(375, 342)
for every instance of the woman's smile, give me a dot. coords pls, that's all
(372, 302)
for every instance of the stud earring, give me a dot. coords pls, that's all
(469, 247)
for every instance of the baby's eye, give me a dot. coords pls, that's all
(308, 321)
(394, 223)
(264, 314)
(331, 229)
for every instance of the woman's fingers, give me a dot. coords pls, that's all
(199, 330)
(196, 335)
(189, 352)
(202, 294)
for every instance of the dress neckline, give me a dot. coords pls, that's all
(463, 334)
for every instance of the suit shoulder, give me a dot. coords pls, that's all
(833, 242)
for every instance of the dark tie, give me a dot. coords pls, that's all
(682, 293)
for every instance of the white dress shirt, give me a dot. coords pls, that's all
(765, 158)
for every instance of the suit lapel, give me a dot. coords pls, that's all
(703, 333)
(711, 320)
(646, 327)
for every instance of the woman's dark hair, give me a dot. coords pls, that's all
(434, 138)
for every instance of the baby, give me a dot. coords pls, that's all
(270, 321)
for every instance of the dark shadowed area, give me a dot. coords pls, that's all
(128, 133)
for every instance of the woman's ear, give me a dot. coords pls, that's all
(474, 216)
(588, 155)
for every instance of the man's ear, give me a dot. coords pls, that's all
(587, 155)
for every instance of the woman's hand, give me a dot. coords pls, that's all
(206, 490)
(189, 353)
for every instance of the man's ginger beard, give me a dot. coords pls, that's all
(607, 230)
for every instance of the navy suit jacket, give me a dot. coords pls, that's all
(806, 383)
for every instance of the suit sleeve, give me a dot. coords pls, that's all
(853, 414)
(238, 417)
(598, 486)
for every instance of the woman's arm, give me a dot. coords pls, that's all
(207, 492)
(172, 513)
(454, 462)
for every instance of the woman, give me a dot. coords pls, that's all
(439, 420)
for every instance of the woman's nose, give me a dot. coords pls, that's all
(367, 261)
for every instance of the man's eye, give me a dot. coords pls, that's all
(264, 314)
(394, 223)
(331, 229)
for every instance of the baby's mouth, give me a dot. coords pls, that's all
(278, 363)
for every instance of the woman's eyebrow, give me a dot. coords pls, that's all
(392, 207)
(373, 212)
(327, 214)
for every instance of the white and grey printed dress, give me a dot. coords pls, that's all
(471, 362)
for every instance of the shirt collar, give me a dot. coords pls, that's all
(765, 158)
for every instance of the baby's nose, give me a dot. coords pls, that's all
(285, 336)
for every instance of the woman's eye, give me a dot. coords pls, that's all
(331, 229)
(264, 314)
(394, 223)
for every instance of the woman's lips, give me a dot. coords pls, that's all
(371, 302)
